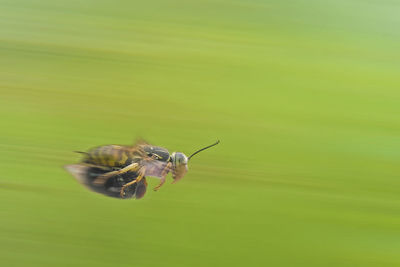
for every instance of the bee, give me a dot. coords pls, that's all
(120, 171)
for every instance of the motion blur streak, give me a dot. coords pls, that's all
(304, 96)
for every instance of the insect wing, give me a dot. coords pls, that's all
(79, 171)
(154, 167)
(140, 141)
(85, 174)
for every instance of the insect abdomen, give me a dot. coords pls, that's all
(110, 156)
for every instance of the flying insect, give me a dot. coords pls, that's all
(120, 171)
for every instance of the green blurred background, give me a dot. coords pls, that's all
(304, 96)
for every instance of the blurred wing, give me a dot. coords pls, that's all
(140, 141)
(86, 174)
(138, 149)
(79, 171)
(154, 167)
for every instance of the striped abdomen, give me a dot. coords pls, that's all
(110, 156)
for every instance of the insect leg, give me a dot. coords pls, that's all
(141, 188)
(104, 177)
(137, 180)
(163, 175)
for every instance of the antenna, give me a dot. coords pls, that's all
(216, 143)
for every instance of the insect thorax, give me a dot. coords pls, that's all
(158, 153)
